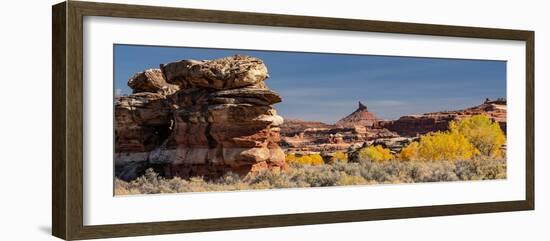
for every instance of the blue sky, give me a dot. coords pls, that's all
(326, 87)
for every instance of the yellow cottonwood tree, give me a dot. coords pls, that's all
(309, 159)
(375, 153)
(445, 146)
(483, 133)
(409, 152)
(339, 157)
(469, 137)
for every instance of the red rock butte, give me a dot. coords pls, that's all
(360, 117)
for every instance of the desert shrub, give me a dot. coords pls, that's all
(346, 179)
(441, 146)
(492, 169)
(353, 169)
(483, 133)
(339, 173)
(481, 169)
(308, 159)
(270, 179)
(320, 176)
(434, 172)
(386, 172)
(466, 170)
(339, 157)
(124, 188)
(229, 178)
(375, 153)
(374, 173)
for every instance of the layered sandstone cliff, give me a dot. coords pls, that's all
(413, 125)
(356, 129)
(199, 118)
(362, 127)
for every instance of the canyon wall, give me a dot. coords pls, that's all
(413, 125)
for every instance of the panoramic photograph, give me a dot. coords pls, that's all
(209, 120)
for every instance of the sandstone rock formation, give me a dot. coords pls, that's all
(293, 127)
(316, 137)
(359, 128)
(413, 125)
(360, 117)
(394, 144)
(199, 118)
(362, 128)
(152, 81)
(225, 73)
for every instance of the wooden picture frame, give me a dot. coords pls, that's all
(67, 152)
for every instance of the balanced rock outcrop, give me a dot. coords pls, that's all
(199, 118)
(225, 73)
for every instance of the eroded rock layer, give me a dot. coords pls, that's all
(199, 118)
(363, 128)
(316, 137)
(413, 125)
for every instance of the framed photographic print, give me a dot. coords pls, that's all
(171, 120)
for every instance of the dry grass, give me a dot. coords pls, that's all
(336, 174)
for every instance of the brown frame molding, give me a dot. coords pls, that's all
(67, 123)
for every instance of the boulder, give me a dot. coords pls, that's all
(225, 73)
(151, 80)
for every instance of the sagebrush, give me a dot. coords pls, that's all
(325, 175)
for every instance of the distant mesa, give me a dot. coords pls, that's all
(360, 117)
(358, 128)
(414, 125)
(293, 127)
(362, 127)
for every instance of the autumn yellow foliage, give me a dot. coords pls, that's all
(483, 133)
(409, 152)
(445, 146)
(375, 153)
(339, 157)
(309, 159)
(467, 138)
